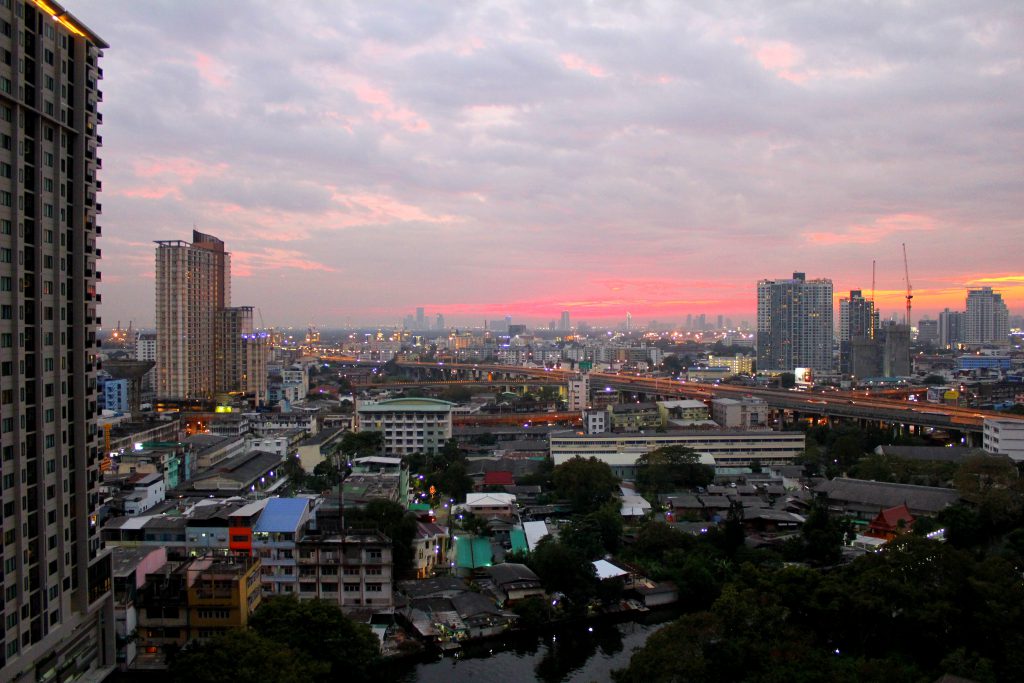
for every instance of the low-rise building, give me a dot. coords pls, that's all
(409, 425)
(742, 413)
(432, 548)
(729, 448)
(353, 568)
(314, 449)
(491, 505)
(242, 474)
(211, 449)
(274, 541)
(864, 499)
(1004, 437)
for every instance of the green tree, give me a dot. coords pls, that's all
(452, 481)
(787, 380)
(563, 569)
(823, 535)
(244, 655)
(671, 468)
(395, 522)
(362, 444)
(586, 484)
(320, 632)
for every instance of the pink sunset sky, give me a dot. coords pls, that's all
(489, 158)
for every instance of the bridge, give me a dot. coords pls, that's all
(856, 405)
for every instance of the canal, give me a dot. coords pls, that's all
(580, 653)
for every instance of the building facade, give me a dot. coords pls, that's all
(409, 425)
(204, 346)
(858, 320)
(951, 329)
(193, 286)
(794, 324)
(986, 321)
(57, 610)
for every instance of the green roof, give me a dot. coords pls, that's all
(420, 507)
(472, 552)
(519, 544)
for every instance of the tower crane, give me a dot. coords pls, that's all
(910, 291)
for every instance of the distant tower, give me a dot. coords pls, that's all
(794, 324)
(193, 285)
(439, 322)
(421, 322)
(629, 322)
(986, 321)
(564, 325)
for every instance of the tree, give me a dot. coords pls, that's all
(563, 569)
(671, 468)
(933, 380)
(244, 655)
(362, 444)
(823, 535)
(319, 631)
(452, 481)
(587, 484)
(787, 380)
(395, 522)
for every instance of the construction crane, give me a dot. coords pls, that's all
(906, 273)
(871, 323)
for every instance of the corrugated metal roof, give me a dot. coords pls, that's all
(282, 515)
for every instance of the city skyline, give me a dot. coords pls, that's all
(522, 160)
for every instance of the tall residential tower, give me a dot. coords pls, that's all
(987, 319)
(794, 324)
(204, 347)
(57, 610)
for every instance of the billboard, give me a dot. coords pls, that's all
(804, 377)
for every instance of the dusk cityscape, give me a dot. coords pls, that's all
(587, 341)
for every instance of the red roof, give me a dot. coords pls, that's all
(889, 519)
(498, 478)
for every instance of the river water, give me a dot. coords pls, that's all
(577, 653)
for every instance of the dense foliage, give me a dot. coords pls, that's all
(288, 640)
(910, 613)
(586, 483)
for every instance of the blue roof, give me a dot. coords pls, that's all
(282, 515)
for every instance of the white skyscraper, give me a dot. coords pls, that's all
(987, 320)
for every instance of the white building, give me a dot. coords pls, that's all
(579, 393)
(1004, 437)
(794, 324)
(986, 321)
(409, 425)
(742, 413)
(728, 448)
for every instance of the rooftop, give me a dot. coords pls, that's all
(282, 515)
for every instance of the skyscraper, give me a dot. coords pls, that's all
(421, 321)
(205, 347)
(57, 608)
(794, 324)
(858, 319)
(987, 320)
(951, 328)
(564, 324)
(193, 286)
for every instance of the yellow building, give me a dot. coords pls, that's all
(222, 595)
(738, 364)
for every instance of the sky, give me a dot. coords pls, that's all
(483, 159)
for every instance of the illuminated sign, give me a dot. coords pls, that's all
(804, 377)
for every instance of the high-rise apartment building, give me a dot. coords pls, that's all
(57, 613)
(858, 319)
(192, 288)
(794, 324)
(951, 328)
(565, 324)
(987, 319)
(204, 347)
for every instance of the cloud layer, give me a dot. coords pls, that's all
(484, 158)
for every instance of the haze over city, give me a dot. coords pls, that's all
(492, 159)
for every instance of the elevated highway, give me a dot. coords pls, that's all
(842, 404)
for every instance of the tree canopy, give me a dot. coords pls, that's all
(586, 483)
(672, 468)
